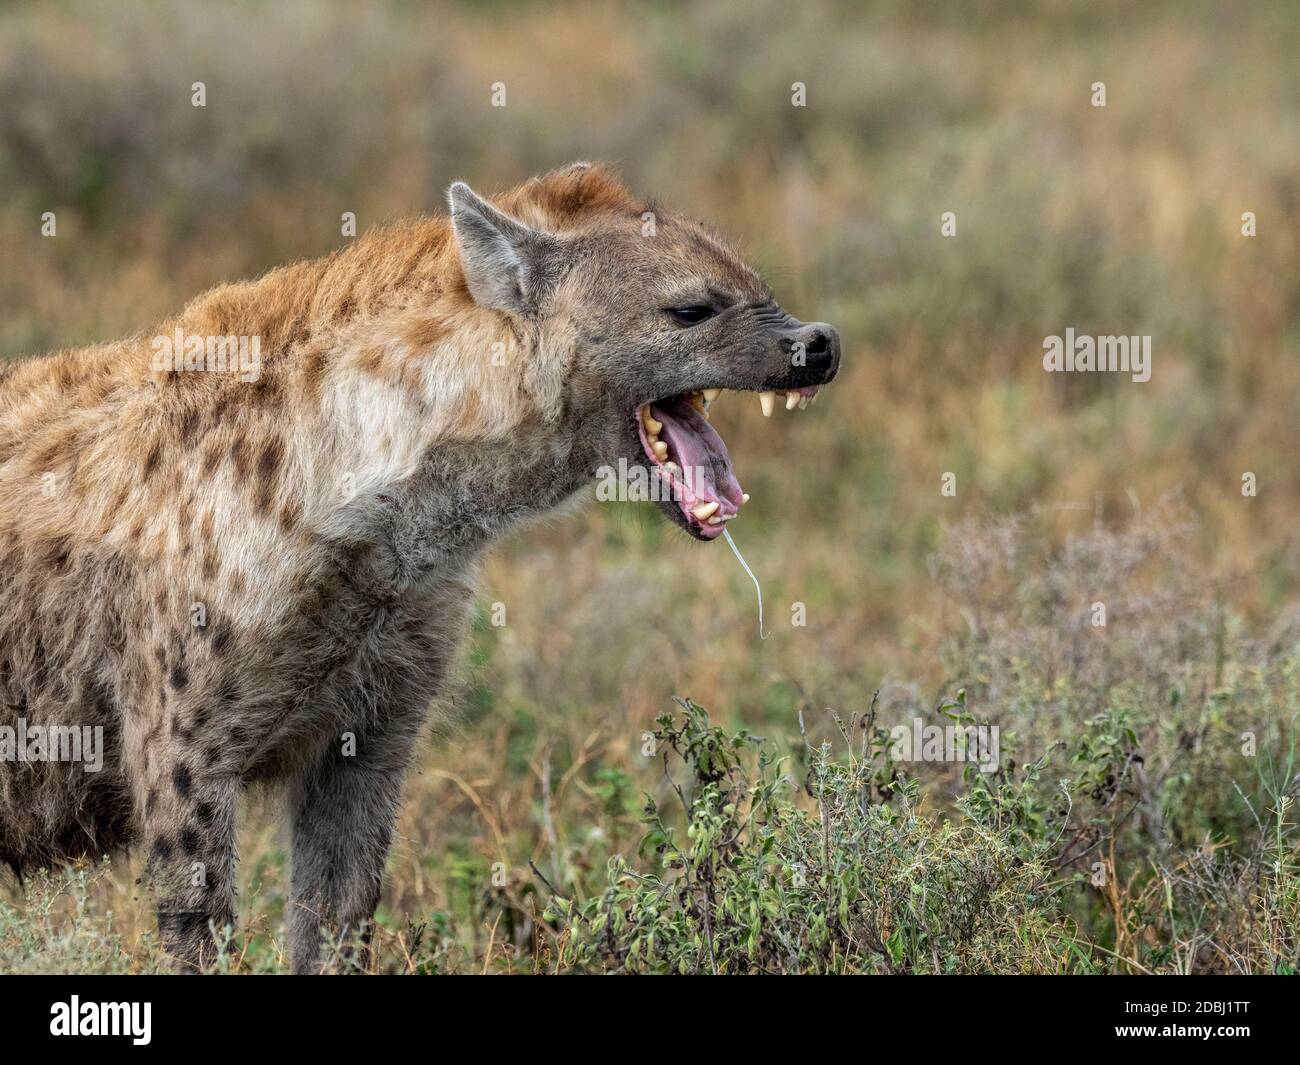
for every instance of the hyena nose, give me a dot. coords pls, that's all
(820, 347)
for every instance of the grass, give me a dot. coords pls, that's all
(1069, 491)
(1140, 816)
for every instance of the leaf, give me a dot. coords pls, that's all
(895, 945)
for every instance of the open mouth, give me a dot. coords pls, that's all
(692, 461)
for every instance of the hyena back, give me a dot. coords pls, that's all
(262, 574)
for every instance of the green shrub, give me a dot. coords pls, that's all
(755, 873)
(758, 881)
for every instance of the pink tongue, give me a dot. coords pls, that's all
(698, 449)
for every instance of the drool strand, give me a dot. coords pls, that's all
(741, 559)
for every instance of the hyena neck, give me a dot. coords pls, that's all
(461, 499)
(444, 426)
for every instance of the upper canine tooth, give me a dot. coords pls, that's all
(767, 400)
(791, 400)
(697, 401)
(710, 394)
(660, 449)
(705, 510)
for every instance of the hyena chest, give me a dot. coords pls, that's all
(357, 678)
(99, 718)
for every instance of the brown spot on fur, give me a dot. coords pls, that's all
(345, 309)
(290, 513)
(263, 498)
(268, 464)
(240, 457)
(211, 458)
(425, 334)
(265, 391)
(57, 553)
(54, 453)
(182, 781)
(372, 360)
(189, 425)
(220, 638)
(151, 461)
(220, 411)
(314, 365)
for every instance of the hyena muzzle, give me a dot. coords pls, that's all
(242, 549)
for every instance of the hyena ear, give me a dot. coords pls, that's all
(505, 261)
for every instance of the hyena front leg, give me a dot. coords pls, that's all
(189, 828)
(343, 825)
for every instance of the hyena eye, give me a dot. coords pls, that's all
(692, 315)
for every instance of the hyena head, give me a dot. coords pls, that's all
(655, 316)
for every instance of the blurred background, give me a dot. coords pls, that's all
(1122, 219)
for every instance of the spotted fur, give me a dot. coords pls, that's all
(267, 580)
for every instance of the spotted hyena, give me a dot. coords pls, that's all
(242, 546)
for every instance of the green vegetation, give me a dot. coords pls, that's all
(1140, 818)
